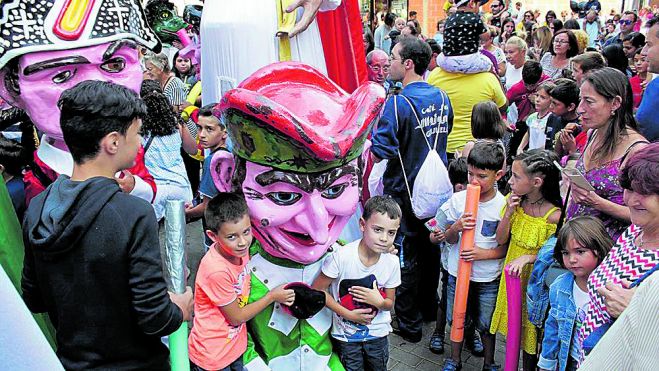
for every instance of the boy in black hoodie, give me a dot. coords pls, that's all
(92, 259)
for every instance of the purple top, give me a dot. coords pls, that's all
(605, 179)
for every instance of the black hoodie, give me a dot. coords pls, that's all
(92, 261)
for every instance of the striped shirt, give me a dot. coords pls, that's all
(175, 91)
(625, 261)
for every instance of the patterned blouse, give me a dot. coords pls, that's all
(625, 261)
(604, 178)
(548, 69)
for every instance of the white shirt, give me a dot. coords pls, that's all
(487, 220)
(581, 297)
(513, 75)
(581, 300)
(537, 126)
(344, 264)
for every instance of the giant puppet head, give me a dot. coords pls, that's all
(48, 46)
(163, 20)
(192, 16)
(297, 140)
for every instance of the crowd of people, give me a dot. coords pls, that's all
(550, 117)
(548, 131)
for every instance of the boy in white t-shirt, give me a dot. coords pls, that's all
(360, 281)
(484, 168)
(457, 172)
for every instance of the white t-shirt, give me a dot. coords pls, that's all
(581, 300)
(513, 75)
(489, 215)
(344, 264)
(537, 126)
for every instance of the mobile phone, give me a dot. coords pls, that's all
(438, 223)
(576, 177)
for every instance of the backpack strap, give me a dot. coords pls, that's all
(441, 114)
(402, 166)
(148, 143)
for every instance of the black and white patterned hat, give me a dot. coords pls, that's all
(28, 26)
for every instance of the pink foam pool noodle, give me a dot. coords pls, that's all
(514, 290)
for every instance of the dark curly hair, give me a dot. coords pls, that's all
(160, 119)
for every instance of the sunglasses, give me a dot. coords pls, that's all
(626, 22)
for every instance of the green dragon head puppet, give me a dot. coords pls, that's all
(163, 19)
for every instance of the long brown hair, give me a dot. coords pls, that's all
(543, 34)
(610, 83)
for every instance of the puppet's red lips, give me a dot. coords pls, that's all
(300, 238)
(304, 239)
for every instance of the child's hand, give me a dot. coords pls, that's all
(282, 295)
(363, 316)
(369, 296)
(185, 302)
(392, 250)
(126, 181)
(511, 204)
(515, 267)
(466, 221)
(475, 253)
(437, 236)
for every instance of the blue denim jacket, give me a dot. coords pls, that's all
(537, 293)
(559, 324)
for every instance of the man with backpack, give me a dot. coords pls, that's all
(412, 134)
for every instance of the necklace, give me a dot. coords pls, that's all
(540, 201)
(537, 204)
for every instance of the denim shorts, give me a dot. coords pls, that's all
(480, 303)
(364, 355)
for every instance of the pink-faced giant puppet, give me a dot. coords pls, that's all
(297, 141)
(48, 46)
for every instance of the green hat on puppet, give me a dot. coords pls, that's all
(291, 117)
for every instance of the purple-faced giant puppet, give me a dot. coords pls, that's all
(297, 144)
(48, 46)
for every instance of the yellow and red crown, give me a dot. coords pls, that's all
(29, 26)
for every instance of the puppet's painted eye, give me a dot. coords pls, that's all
(63, 76)
(335, 191)
(284, 198)
(114, 65)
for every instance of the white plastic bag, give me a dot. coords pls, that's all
(432, 186)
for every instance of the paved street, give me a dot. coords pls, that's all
(407, 356)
